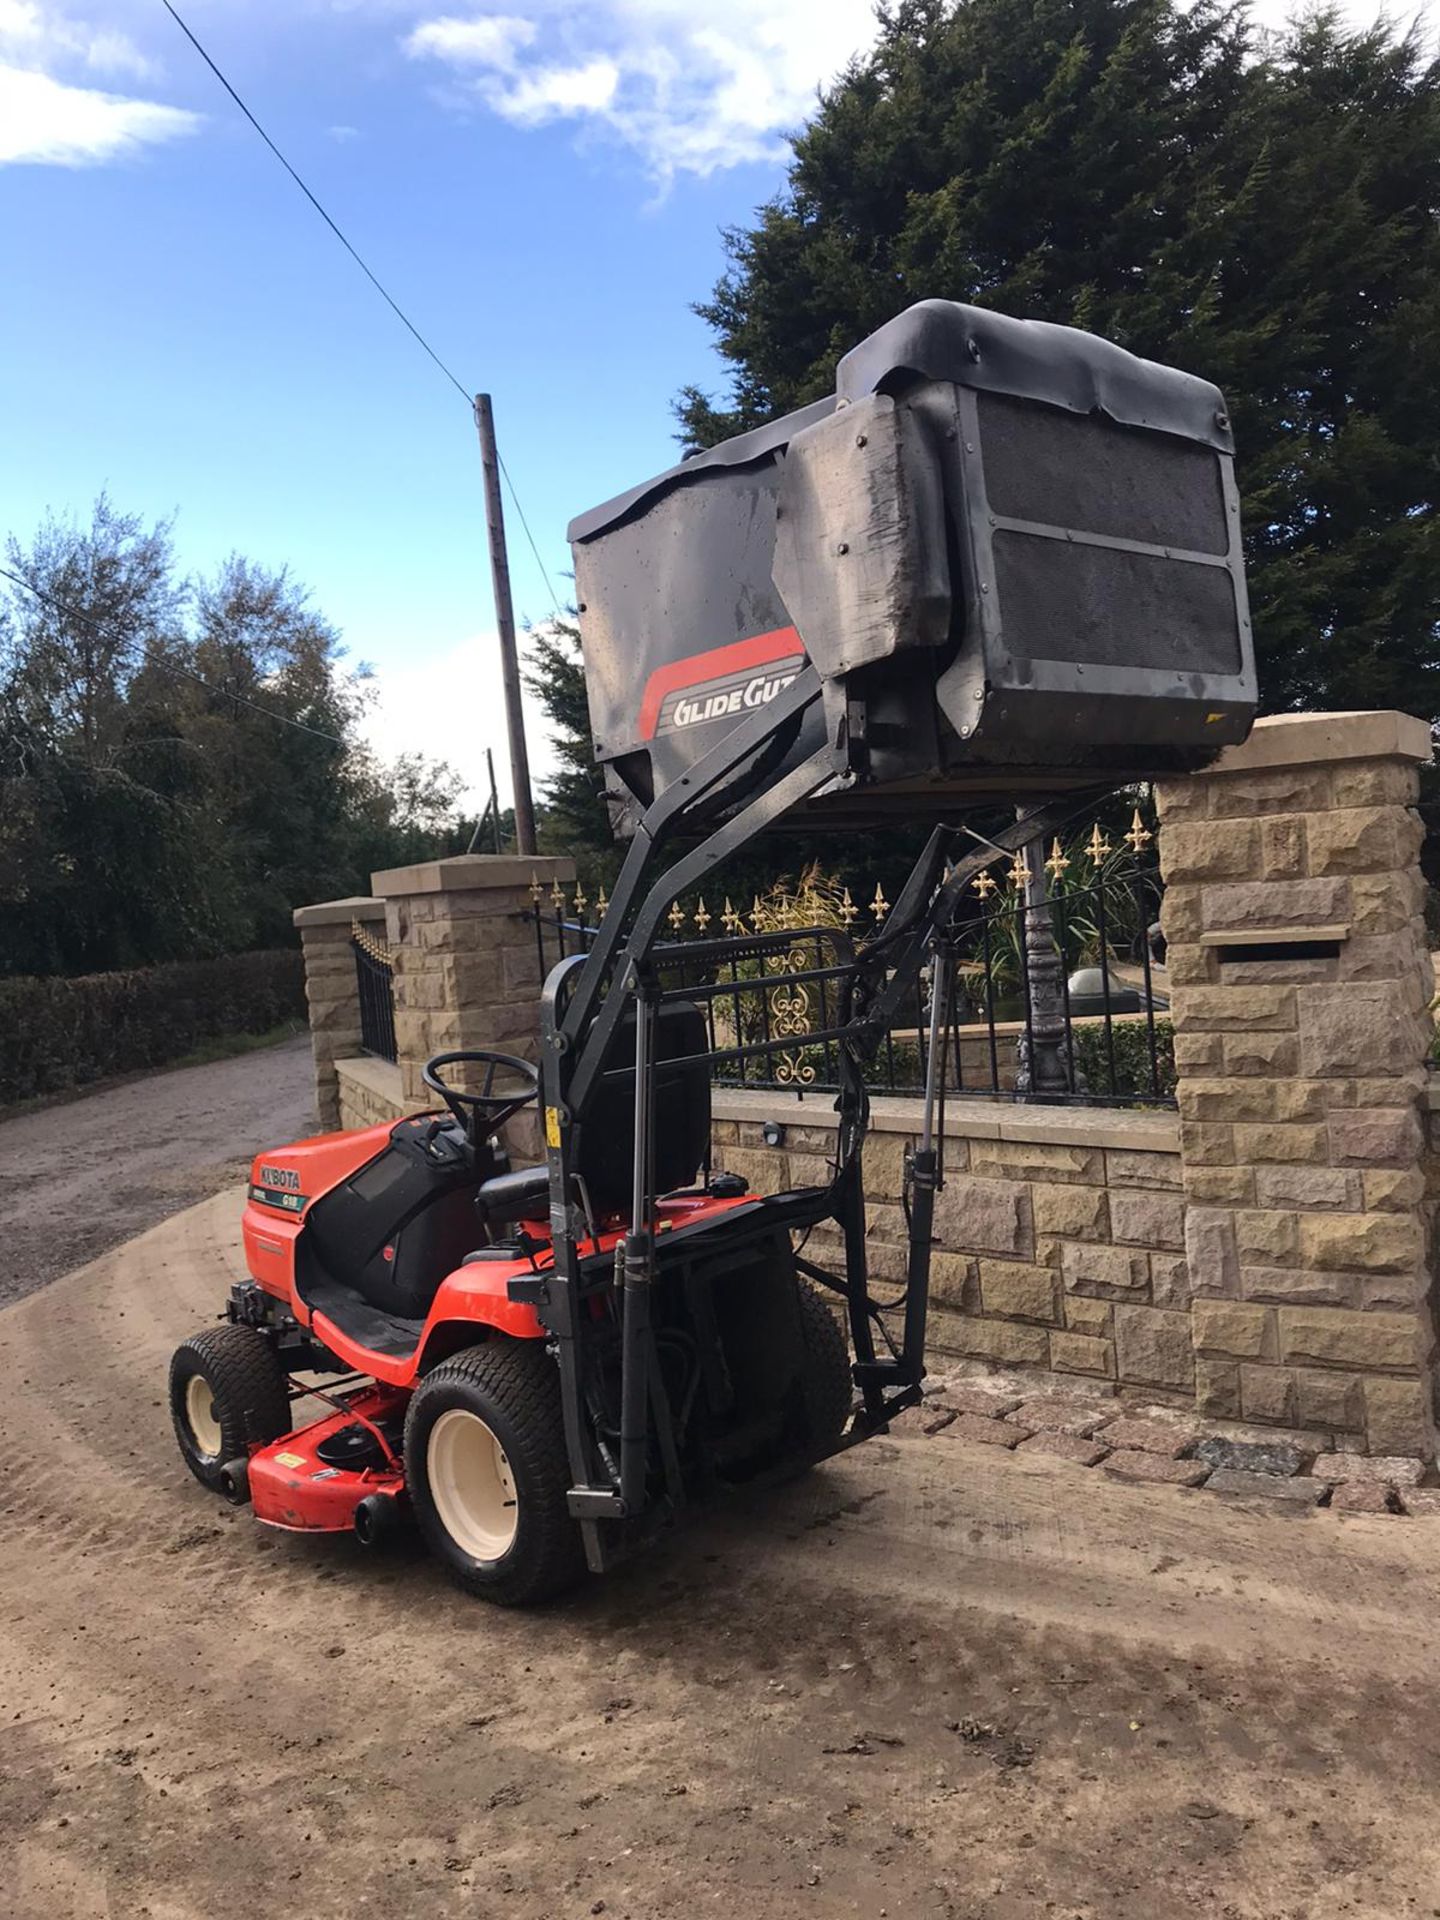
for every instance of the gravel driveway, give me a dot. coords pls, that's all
(78, 1178)
(933, 1680)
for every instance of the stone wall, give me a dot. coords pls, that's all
(1263, 1257)
(1058, 1237)
(331, 991)
(370, 1093)
(467, 971)
(1300, 987)
(1267, 1257)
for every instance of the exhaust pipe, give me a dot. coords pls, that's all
(235, 1481)
(376, 1518)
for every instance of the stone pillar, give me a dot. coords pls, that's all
(332, 992)
(1301, 983)
(467, 973)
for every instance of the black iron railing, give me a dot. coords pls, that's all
(375, 983)
(1059, 989)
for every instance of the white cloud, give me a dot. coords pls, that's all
(36, 36)
(489, 40)
(46, 118)
(692, 87)
(47, 123)
(555, 91)
(451, 706)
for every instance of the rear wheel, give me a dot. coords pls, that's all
(487, 1472)
(227, 1395)
(825, 1379)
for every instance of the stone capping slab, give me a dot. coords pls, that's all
(470, 872)
(380, 1077)
(1268, 936)
(1305, 739)
(1129, 1129)
(339, 913)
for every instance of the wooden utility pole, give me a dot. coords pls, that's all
(505, 625)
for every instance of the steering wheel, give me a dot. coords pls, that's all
(486, 1111)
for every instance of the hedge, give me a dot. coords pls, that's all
(1131, 1042)
(59, 1033)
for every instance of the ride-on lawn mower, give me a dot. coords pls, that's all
(1002, 561)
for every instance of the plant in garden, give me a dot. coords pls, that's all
(1129, 1048)
(1104, 893)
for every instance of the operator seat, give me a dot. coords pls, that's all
(606, 1135)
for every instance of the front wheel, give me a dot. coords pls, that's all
(487, 1472)
(227, 1395)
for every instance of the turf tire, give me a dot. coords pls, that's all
(825, 1379)
(247, 1390)
(514, 1387)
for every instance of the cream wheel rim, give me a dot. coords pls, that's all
(201, 1417)
(472, 1485)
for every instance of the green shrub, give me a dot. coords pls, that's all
(57, 1033)
(1132, 1058)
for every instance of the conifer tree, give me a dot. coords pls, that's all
(1260, 212)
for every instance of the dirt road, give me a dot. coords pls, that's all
(924, 1682)
(85, 1175)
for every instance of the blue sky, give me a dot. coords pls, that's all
(541, 185)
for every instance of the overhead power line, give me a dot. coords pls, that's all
(393, 304)
(171, 666)
(369, 274)
(530, 538)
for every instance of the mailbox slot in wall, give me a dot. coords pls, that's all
(1280, 946)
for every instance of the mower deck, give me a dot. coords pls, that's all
(301, 1481)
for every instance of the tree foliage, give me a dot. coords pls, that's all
(181, 762)
(574, 818)
(1262, 212)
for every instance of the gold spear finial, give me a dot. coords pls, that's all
(1139, 835)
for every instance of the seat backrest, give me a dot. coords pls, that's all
(682, 1110)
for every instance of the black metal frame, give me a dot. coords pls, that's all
(375, 990)
(585, 1000)
(807, 1062)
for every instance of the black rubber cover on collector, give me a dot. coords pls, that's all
(1009, 550)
